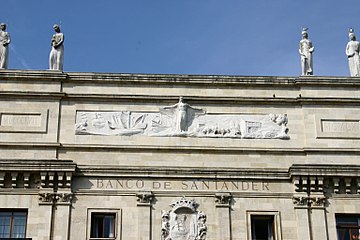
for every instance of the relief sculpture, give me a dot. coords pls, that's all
(182, 120)
(183, 222)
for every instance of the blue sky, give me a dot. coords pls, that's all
(220, 37)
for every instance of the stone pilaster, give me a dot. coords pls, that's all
(300, 201)
(144, 203)
(62, 216)
(318, 217)
(223, 207)
(311, 216)
(59, 203)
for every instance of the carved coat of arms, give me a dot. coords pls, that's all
(183, 222)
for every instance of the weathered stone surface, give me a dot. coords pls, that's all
(120, 160)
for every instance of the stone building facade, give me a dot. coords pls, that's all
(119, 156)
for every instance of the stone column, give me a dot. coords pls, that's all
(302, 216)
(144, 204)
(223, 207)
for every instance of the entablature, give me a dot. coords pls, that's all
(21, 173)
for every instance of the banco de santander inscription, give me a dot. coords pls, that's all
(185, 185)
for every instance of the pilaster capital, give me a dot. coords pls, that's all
(144, 198)
(223, 199)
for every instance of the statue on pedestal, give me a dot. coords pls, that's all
(4, 42)
(352, 52)
(56, 60)
(306, 49)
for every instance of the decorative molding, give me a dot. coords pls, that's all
(18, 179)
(2, 179)
(51, 197)
(319, 201)
(202, 228)
(223, 199)
(307, 201)
(48, 197)
(326, 184)
(66, 197)
(144, 198)
(165, 225)
(300, 201)
(183, 221)
(52, 179)
(184, 203)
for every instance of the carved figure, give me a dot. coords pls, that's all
(306, 49)
(184, 114)
(281, 120)
(98, 121)
(180, 231)
(56, 60)
(202, 228)
(352, 52)
(165, 226)
(4, 42)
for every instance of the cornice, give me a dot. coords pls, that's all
(222, 150)
(176, 79)
(37, 165)
(325, 170)
(32, 75)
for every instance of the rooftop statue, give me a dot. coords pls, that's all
(56, 60)
(4, 42)
(306, 49)
(352, 52)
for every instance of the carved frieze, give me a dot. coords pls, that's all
(183, 120)
(183, 222)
